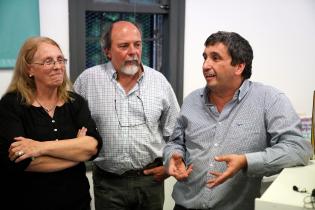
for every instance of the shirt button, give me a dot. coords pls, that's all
(216, 144)
(211, 164)
(204, 205)
(55, 129)
(53, 121)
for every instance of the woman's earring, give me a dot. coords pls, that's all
(30, 76)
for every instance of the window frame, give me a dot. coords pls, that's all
(173, 46)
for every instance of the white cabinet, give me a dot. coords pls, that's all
(281, 196)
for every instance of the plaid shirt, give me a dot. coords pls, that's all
(134, 126)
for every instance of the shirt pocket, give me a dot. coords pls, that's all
(249, 136)
(153, 109)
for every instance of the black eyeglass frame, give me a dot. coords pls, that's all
(133, 125)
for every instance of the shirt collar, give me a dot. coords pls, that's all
(243, 90)
(239, 93)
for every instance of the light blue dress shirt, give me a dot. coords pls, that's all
(259, 122)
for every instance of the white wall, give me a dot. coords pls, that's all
(54, 23)
(282, 35)
(5, 78)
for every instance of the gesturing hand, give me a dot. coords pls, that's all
(177, 168)
(234, 164)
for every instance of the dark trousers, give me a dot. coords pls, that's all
(132, 191)
(178, 207)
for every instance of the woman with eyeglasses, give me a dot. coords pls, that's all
(46, 134)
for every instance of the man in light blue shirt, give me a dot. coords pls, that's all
(135, 110)
(231, 133)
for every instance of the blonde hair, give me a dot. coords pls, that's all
(23, 83)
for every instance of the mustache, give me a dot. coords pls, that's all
(132, 60)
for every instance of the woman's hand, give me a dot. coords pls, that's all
(24, 148)
(82, 132)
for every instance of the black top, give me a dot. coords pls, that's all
(66, 189)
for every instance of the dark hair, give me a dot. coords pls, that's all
(106, 38)
(238, 48)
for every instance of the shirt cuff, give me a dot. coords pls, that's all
(255, 164)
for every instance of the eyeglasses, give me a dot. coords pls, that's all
(137, 117)
(51, 62)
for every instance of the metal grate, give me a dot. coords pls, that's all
(152, 30)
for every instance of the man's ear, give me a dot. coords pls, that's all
(108, 54)
(240, 68)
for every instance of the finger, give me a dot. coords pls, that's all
(12, 156)
(215, 173)
(79, 134)
(10, 148)
(83, 129)
(20, 158)
(189, 169)
(212, 183)
(13, 152)
(148, 171)
(15, 144)
(181, 176)
(15, 155)
(19, 138)
(82, 132)
(220, 179)
(173, 171)
(221, 158)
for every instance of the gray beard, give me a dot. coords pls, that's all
(130, 70)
